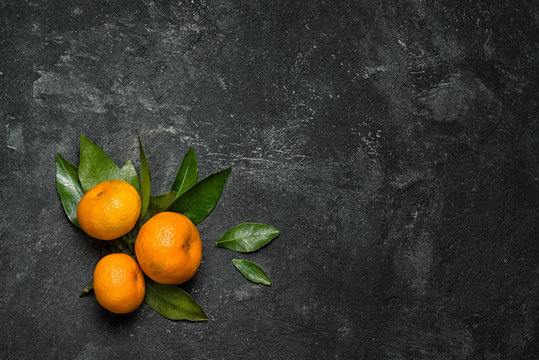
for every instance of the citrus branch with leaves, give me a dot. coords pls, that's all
(187, 196)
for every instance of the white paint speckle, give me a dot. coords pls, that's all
(242, 294)
(164, 130)
(344, 331)
(371, 70)
(222, 83)
(15, 138)
(76, 11)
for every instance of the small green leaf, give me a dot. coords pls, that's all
(251, 271)
(172, 302)
(129, 174)
(145, 184)
(199, 201)
(94, 165)
(247, 237)
(69, 188)
(158, 204)
(187, 174)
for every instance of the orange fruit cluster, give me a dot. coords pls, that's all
(168, 246)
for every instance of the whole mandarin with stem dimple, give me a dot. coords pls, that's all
(119, 284)
(109, 210)
(168, 248)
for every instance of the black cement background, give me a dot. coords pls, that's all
(394, 143)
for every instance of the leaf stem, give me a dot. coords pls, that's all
(88, 289)
(116, 246)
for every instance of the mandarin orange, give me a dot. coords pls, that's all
(119, 284)
(168, 248)
(109, 210)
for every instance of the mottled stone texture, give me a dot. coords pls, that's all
(394, 143)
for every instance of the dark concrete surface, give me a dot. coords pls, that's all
(394, 143)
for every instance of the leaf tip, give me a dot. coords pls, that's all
(226, 172)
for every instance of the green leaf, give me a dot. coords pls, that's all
(247, 237)
(129, 174)
(94, 165)
(172, 302)
(69, 188)
(145, 184)
(251, 271)
(158, 204)
(199, 201)
(187, 174)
